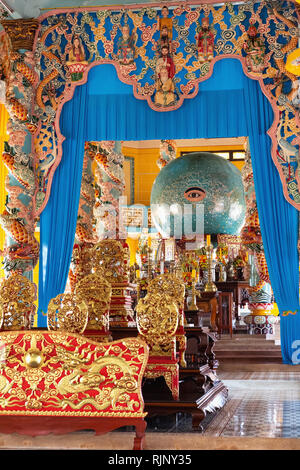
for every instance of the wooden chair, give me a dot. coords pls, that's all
(171, 285)
(157, 322)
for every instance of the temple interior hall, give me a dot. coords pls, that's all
(149, 225)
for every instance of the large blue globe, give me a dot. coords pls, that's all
(196, 182)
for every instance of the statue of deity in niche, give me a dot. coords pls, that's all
(76, 62)
(205, 41)
(254, 47)
(126, 46)
(164, 95)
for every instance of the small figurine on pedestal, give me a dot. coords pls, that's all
(230, 271)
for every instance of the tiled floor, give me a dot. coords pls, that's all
(263, 412)
(261, 404)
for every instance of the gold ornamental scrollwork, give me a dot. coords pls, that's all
(157, 321)
(95, 291)
(68, 313)
(171, 285)
(17, 296)
(112, 261)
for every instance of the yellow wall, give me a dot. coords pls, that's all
(145, 172)
(146, 169)
(3, 173)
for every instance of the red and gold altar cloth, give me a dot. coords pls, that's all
(56, 373)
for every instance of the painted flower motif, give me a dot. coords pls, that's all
(183, 32)
(280, 26)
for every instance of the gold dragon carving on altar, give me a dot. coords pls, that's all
(62, 374)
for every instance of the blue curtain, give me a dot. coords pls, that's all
(278, 222)
(58, 220)
(228, 105)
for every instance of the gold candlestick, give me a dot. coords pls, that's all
(210, 286)
(193, 304)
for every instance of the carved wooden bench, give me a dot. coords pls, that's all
(59, 382)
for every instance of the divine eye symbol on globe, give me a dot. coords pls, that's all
(194, 194)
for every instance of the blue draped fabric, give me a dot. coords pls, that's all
(228, 105)
(278, 222)
(58, 220)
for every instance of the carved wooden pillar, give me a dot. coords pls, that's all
(18, 66)
(109, 176)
